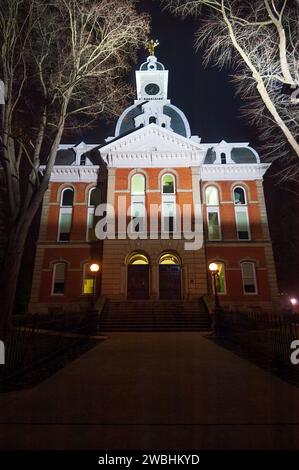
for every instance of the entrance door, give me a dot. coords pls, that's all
(170, 281)
(138, 281)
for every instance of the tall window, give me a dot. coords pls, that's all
(58, 278)
(249, 277)
(138, 202)
(88, 280)
(220, 279)
(168, 204)
(94, 199)
(65, 214)
(241, 213)
(213, 215)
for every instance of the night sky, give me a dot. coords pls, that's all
(205, 95)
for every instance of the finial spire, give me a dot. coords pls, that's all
(151, 46)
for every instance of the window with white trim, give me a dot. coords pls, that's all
(65, 215)
(58, 278)
(213, 213)
(241, 213)
(138, 221)
(94, 199)
(168, 184)
(168, 203)
(249, 277)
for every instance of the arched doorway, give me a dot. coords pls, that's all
(138, 276)
(169, 276)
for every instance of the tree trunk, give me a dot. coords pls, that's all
(10, 273)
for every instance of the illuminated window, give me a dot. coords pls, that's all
(241, 214)
(138, 221)
(58, 278)
(213, 213)
(88, 280)
(168, 186)
(220, 279)
(212, 197)
(94, 199)
(249, 277)
(65, 214)
(138, 184)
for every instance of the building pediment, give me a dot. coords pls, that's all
(153, 146)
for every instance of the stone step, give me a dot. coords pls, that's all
(155, 316)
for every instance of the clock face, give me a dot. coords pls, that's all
(152, 89)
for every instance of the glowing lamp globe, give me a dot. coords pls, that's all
(94, 268)
(213, 267)
(293, 301)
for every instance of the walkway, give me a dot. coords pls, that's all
(154, 390)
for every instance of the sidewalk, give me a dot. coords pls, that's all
(154, 390)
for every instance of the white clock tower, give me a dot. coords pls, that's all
(152, 105)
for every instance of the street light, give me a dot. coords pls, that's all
(217, 321)
(94, 268)
(215, 273)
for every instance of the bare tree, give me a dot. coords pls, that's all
(63, 64)
(259, 40)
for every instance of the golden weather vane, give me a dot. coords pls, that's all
(151, 46)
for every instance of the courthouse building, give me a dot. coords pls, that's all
(212, 192)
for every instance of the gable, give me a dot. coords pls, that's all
(153, 145)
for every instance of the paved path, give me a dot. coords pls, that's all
(154, 390)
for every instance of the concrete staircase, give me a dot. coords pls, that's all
(155, 315)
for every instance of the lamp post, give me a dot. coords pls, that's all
(94, 268)
(213, 268)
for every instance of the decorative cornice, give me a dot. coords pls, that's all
(244, 171)
(154, 159)
(65, 173)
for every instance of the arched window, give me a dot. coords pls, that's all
(212, 197)
(249, 277)
(168, 184)
(152, 119)
(220, 278)
(65, 214)
(241, 213)
(168, 204)
(223, 158)
(213, 213)
(138, 184)
(94, 199)
(58, 278)
(239, 196)
(138, 203)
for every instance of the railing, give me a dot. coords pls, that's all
(37, 339)
(265, 338)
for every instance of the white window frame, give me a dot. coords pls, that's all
(174, 184)
(245, 196)
(90, 210)
(218, 198)
(211, 209)
(65, 210)
(139, 200)
(242, 208)
(254, 278)
(54, 275)
(169, 199)
(144, 180)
